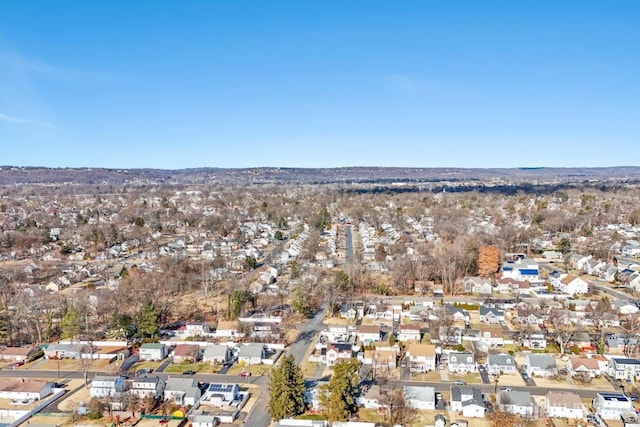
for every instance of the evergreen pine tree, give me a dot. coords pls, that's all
(338, 398)
(287, 390)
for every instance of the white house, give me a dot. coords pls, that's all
(104, 386)
(534, 340)
(418, 397)
(541, 365)
(152, 351)
(147, 386)
(422, 357)
(219, 394)
(498, 364)
(573, 285)
(15, 389)
(611, 405)
(467, 400)
(251, 354)
(564, 405)
(409, 333)
(368, 333)
(338, 352)
(216, 353)
(583, 367)
(491, 315)
(228, 330)
(182, 391)
(515, 402)
(521, 269)
(461, 362)
(623, 368)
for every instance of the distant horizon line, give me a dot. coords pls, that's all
(316, 167)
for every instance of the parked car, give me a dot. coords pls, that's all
(525, 376)
(459, 382)
(245, 374)
(189, 372)
(144, 371)
(18, 363)
(227, 364)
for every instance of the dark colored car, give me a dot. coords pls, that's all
(189, 372)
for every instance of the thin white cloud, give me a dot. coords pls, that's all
(21, 121)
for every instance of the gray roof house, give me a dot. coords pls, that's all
(500, 364)
(541, 365)
(147, 386)
(62, 351)
(182, 391)
(418, 397)
(216, 353)
(467, 400)
(251, 354)
(515, 402)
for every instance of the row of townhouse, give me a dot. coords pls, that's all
(248, 354)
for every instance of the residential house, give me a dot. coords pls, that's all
(152, 351)
(17, 354)
(106, 386)
(65, 351)
(499, 364)
(521, 269)
(216, 353)
(147, 386)
(182, 391)
(515, 402)
(458, 314)
(204, 420)
(228, 330)
(541, 365)
(624, 369)
(15, 389)
(582, 340)
(422, 357)
(337, 333)
(368, 333)
(491, 315)
(477, 285)
(186, 353)
(461, 362)
(379, 359)
(219, 394)
(492, 337)
(573, 285)
(583, 367)
(625, 307)
(561, 404)
(337, 352)
(251, 354)
(419, 397)
(535, 340)
(194, 329)
(409, 333)
(290, 422)
(610, 406)
(467, 400)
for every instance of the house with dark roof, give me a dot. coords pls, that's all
(491, 315)
(610, 406)
(624, 368)
(467, 400)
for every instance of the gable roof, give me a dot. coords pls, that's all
(542, 361)
(564, 399)
(417, 349)
(501, 359)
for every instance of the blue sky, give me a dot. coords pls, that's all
(176, 84)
